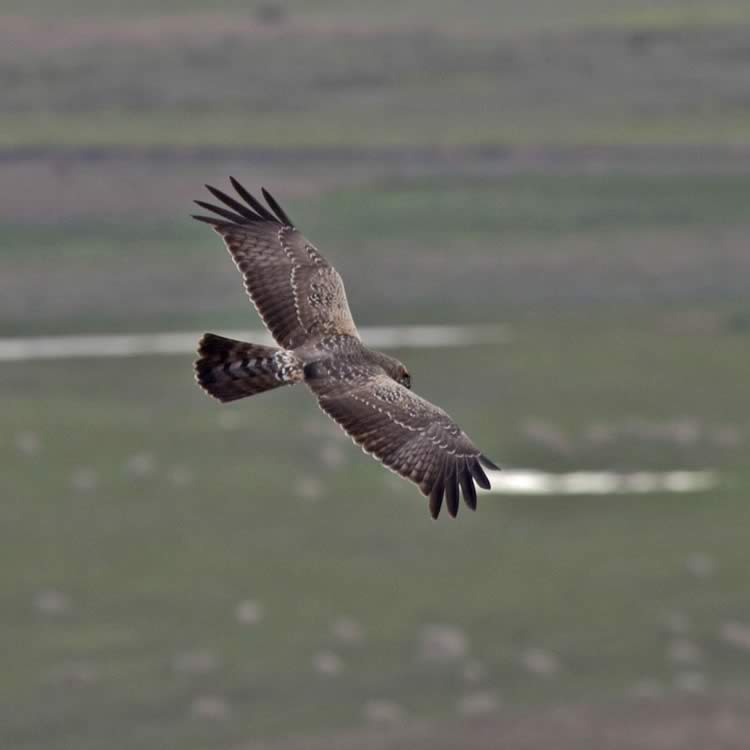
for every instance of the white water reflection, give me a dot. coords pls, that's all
(532, 482)
(138, 344)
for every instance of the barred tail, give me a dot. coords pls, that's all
(227, 369)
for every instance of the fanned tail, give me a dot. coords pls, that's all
(228, 369)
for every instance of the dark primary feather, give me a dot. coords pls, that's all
(467, 485)
(263, 212)
(451, 491)
(233, 217)
(212, 220)
(250, 212)
(436, 495)
(276, 208)
(486, 461)
(233, 204)
(478, 474)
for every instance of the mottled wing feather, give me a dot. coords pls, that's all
(297, 293)
(408, 434)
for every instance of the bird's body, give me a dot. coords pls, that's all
(301, 299)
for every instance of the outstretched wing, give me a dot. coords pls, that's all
(297, 293)
(408, 434)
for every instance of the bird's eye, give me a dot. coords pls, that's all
(406, 380)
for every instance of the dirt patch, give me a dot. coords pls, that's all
(34, 35)
(688, 725)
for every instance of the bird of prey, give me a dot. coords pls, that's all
(301, 299)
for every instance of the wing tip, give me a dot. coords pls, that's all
(226, 215)
(263, 213)
(478, 473)
(250, 212)
(218, 225)
(276, 208)
(236, 184)
(436, 498)
(468, 490)
(451, 492)
(488, 463)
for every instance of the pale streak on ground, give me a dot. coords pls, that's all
(534, 482)
(513, 482)
(18, 349)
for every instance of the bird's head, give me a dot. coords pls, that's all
(403, 377)
(395, 369)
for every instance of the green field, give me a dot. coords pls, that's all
(531, 15)
(181, 574)
(156, 511)
(155, 561)
(529, 245)
(564, 73)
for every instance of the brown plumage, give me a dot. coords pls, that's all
(302, 301)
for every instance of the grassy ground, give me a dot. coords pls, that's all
(570, 77)
(180, 574)
(154, 512)
(526, 244)
(685, 725)
(510, 16)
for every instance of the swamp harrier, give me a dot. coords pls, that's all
(301, 299)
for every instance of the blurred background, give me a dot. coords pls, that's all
(180, 574)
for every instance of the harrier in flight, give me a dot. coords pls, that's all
(301, 299)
